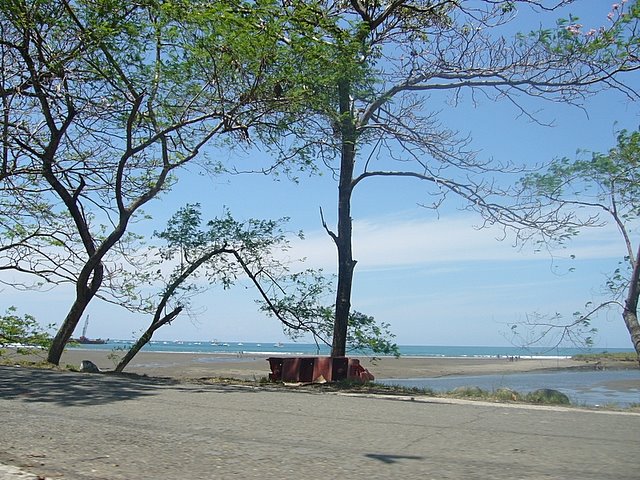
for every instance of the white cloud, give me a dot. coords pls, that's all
(401, 242)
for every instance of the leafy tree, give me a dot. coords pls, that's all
(590, 192)
(299, 301)
(227, 250)
(103, 103)
(364, 334)
(368, 68)
(221, 253)
(22, 333)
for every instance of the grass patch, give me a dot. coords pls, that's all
(547, 397)
(373, 388)
(598, 357)
(469, 392)
(503, 395)
(23, 362)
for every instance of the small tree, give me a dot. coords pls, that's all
(219, 254)
(227, 250)
(22, 333)
(590, 192)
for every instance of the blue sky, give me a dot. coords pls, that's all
(434, 278)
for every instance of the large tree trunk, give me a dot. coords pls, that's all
(346, 263)
(65, 331)
(84, 294)
(630, 313)
(146, 337)
(631, 321)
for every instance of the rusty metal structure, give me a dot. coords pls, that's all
(317, 369)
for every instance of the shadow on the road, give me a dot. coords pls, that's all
(387, 458)
(73, 389)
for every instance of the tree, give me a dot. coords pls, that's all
(223, 252)
(103, 103)
(588, 189)
(299, 301)
(23, 333)
(228, 250)
(368, 67)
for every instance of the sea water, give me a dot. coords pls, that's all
(584, 387)
(271, 348)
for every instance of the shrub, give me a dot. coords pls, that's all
(469, 392)
(22, 333)
(548, 396)
(506, 395)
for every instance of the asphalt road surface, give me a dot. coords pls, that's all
(82, 426)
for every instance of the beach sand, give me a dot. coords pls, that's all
(254, 367)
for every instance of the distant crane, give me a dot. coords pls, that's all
(86, 340)
(84, 329)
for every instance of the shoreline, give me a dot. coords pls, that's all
(243, 353)
(182, 366)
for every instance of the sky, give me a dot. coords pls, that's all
(433, 277)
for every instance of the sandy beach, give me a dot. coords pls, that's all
(255, 367)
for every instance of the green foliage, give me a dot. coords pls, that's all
(222, 251)
(590, 191)
(613, 41)
(547, 396)
(215, 247)
(116, 354)
(547, 332)
(603, 356)
(589, 188)
(183, 231)
(602, 178)
(505, 395)
(23, 333)
(134, 90)
(365, 335)
(541, 396)
(508, 7)
(300, 299)
(473, 392)
(362, 66)
(544, 396)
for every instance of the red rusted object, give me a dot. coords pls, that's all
(316, 369)
(275, 364)
(297, 369)
(358, 372)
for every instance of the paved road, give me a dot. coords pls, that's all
(81, 426)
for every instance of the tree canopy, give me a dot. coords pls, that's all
(591, 191)
(371, 70)
(103, 103)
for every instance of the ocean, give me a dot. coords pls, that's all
(270, 348)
